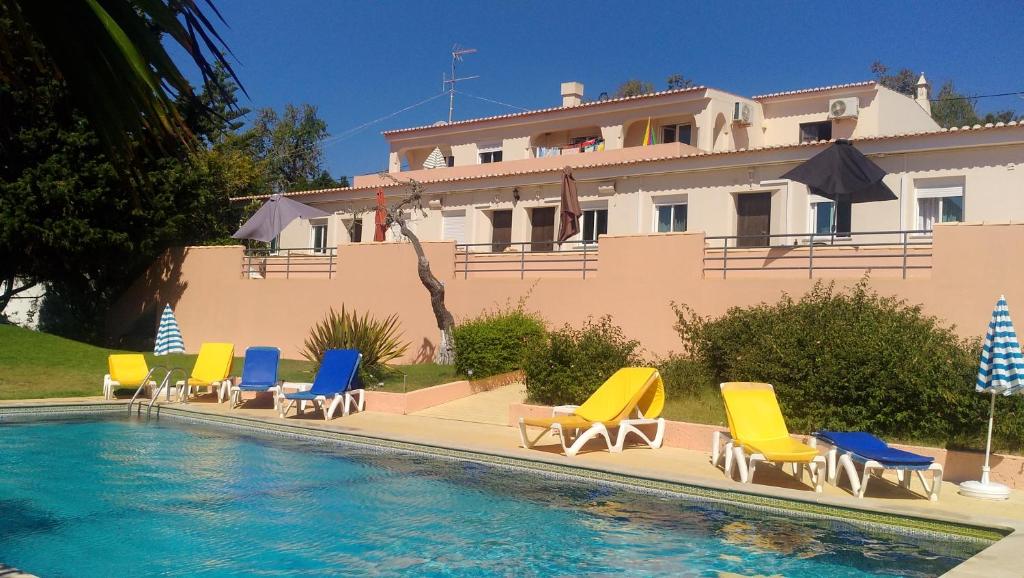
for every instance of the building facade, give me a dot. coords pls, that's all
(695, 159)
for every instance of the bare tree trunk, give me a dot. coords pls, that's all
(445, 353)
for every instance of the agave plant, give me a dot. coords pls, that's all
(380, 342)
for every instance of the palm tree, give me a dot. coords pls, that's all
(111, 57)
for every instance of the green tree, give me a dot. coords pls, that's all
(633, 87)
(950, 108)
(677, 81)
(903, 81)
(953, 109)
(68, 218)
(289, 146)
(111, 59)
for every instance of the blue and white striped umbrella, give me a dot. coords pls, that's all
(168, 336)
(1001, 368)
(435, 160)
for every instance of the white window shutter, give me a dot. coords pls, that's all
(455, 226)
(927, 192)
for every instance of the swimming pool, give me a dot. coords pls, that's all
(106, 497)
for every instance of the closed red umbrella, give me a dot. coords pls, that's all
(380, 219)
(569, 224)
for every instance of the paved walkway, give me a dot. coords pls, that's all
(490, 407)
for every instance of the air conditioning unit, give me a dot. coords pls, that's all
(843, 107)
(742, 113)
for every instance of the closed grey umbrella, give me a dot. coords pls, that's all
(268, 222)
(569, 224)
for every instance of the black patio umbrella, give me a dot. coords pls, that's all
(842, 173)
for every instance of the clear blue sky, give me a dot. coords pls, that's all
(358, 61)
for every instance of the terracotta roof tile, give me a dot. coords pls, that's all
(817, 89)
(545, 110)
(963, 129)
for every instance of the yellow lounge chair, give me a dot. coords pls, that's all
(126, 370)
(631, 397)
(212, 368)
(757, 427)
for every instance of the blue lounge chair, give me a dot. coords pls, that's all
(876, 456)
(259, 374)
(333, 381)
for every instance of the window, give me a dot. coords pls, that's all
(450, 161)
(490, 154)
(319, 237)
(356, 232)
(670, 218)
(595, 224)
(939, 204)
(823, 217)
(676, 133)
(454, 226)
(812, 131)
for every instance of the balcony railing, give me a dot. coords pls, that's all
(575, 148)
(901, 252)
(290, 263)
(528, 259)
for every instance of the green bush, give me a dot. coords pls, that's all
(684, 377)
(854, 360)
(494, 343)
(570, 364)
(380, 342)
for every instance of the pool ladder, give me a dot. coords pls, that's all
(165, 384)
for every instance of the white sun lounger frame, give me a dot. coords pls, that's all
(842, 462)
(626, 427)
(724, 448)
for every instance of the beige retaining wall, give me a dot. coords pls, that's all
(958, 466)
(420, 399)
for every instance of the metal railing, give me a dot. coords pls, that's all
(885, 250)
(525, 258)
(145, 384)
(164, 386)
(305, 262)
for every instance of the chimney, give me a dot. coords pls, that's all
(923, 94)
(572, 94)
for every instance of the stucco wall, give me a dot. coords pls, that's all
(638, 277)
(987, 164)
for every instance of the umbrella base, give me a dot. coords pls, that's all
(984, 490)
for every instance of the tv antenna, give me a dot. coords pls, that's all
(448, 82)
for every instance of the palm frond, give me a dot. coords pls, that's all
(111, 56)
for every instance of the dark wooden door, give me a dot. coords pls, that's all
(501, 230)
(543, 233)
(753, 218)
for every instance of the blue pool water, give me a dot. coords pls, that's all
(124, 498)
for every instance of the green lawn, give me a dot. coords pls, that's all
(39, 365)
(704, 406)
